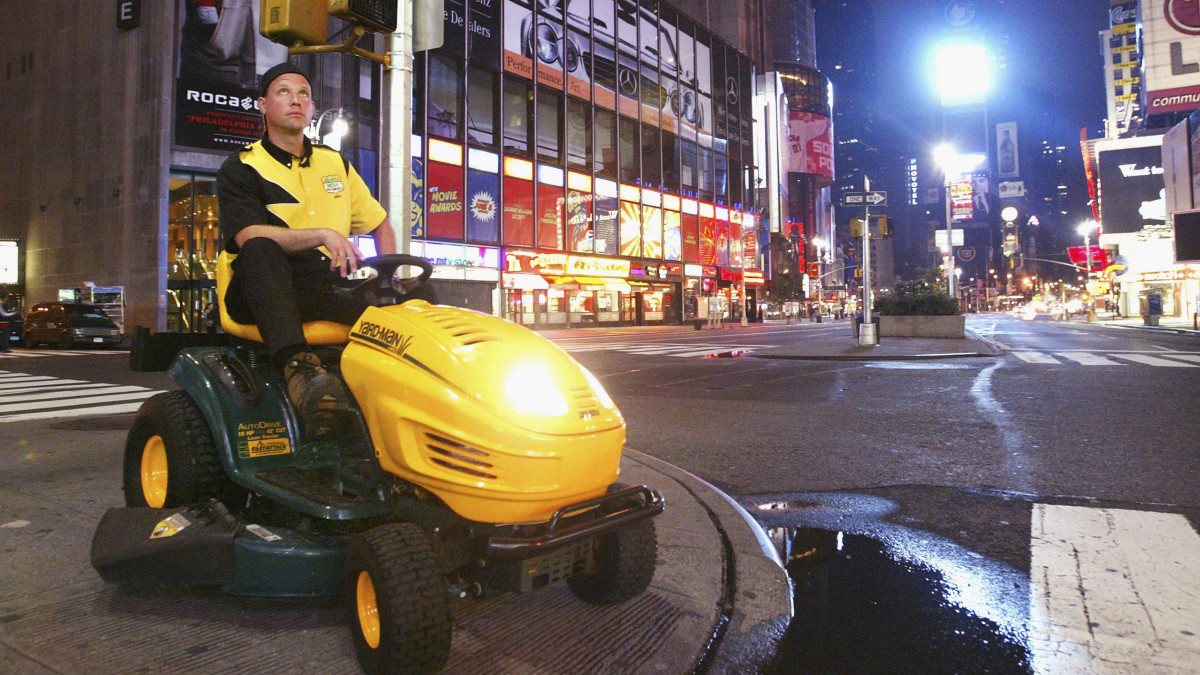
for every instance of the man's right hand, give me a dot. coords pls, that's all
(343, 254)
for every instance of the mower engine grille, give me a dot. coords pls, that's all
(462, 329)
(584, 399)
(458, 456)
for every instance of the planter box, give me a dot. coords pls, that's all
(923, 326)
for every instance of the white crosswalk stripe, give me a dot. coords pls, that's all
(1112, 591)
(1167, 359)
(29, 397)
(42, 353)
(679, 349)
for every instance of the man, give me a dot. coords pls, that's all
(287, 209)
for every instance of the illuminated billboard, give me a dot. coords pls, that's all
(1170, 55)
(810, 143)
(1132, 191)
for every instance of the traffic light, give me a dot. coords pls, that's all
(881, 226)
(291, 21)
(856, 228)
(884, 225)
(374, 15)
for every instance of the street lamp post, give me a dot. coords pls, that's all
(1086, 230)
(953, 164)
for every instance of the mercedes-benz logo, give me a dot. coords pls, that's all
(627, 80)
(731, 90)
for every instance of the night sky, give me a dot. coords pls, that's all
(1054, 57)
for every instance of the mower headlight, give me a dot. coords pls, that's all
(601, 395)
(531, 389)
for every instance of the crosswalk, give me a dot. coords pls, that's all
(1157, 359)
(30, 397)
(680, 349)
(43, 353)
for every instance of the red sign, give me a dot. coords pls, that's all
(1079, 256)
(518, 212)
(444, 215)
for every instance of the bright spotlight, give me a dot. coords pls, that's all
(962, 74)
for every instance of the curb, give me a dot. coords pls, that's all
(755, 606)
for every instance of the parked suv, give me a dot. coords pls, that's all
(68, 325)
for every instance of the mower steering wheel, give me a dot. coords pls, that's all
(384, 289)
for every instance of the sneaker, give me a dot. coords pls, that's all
(310, 387)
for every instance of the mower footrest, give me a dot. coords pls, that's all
(165, 546)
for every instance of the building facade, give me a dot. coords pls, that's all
(574, 163)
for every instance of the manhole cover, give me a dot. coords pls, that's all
(107, 423)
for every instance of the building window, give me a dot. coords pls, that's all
(651, 156)
(445, 97)
(605, 123)
(629, 147)
(481, 108)
(579, 134)
(670, 161)
(518, 111)
(549, 125)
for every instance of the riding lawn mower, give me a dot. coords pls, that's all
(476, 458)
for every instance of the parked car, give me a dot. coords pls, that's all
(16, 327)
(68, 325)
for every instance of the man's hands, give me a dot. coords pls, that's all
(343, 254)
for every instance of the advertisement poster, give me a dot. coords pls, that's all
(605, 223)
(550, 202)
(631, 229)
(221, 56)
(1132, 191)
(810, 144)
(652, 232)
(444, 216)
(517, 60)
(1008, 159)
(518, 212)
(708, 241)
(418, 199)
(579, 221)
(483, 207)
(454, 26)
(722, 243)
(483, 33)
(962, 203)
(735, 245)
(10, 258)
(749, 243)
(672, 237)
(1170, 54)
(691, 237)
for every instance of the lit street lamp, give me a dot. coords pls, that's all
(337, 129)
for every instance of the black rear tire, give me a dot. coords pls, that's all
(170, 429)
(28, 341)
(65, 341)
(399, 607)
(622, 565)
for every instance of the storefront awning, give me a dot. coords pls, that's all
(526, 282)
(590, 284)
(639, 285)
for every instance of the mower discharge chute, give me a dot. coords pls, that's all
(478, 458)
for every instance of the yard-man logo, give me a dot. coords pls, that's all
(383, 336)
(244, 102)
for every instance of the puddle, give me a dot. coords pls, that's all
(859, 609)
(915, 365)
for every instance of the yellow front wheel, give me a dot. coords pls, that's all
(171, 458)
(400, 606)
(154, 472)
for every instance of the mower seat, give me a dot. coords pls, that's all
(315, 332)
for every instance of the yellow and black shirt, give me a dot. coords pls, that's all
(263, 184)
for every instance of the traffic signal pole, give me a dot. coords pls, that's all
(396, 135)
(866, 330)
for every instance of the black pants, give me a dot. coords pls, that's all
(278, 293)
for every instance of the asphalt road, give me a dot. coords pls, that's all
(955, 470)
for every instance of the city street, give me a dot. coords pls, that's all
(965, 513)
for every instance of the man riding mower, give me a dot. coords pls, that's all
(475, 457)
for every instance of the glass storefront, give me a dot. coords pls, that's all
(193, 243)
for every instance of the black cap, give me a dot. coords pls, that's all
(275, 71)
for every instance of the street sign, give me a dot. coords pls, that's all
(873, 198)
